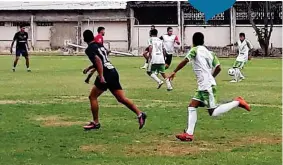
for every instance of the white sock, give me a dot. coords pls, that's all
(241, 75)
(155, 78)
(192, 119)
(225, 108)
(237, 74)
(168, 83)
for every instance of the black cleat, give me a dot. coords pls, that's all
(91, 126)
(141, 120)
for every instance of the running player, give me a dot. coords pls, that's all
(108, 78)
(169, 40)
(21, 47)
(156, 60)
(146, 51)
(203, 62)
(244, 46)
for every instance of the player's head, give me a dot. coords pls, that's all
(198, 39)
(22, 28)
(169, 30)
(88, 36)
(153, 33)
(242, 36)
(152, 27)
(101, 30)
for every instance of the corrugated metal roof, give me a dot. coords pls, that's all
(57, 5)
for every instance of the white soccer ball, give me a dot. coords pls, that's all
(231, 72)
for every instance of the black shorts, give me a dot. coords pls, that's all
(112, 81)
(147, 49)
(168, 59)
(22, 52)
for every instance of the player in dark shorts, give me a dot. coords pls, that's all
(21, 47)
(108, 78)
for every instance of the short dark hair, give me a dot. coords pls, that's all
(198, 39)
(242, 35)
(153, 32)
(169, 28)
(99, 29)
(88, 36)
(153, 26)
(21, 25)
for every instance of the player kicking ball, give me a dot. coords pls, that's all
(206, 67)
(108, 78)
(157, 60)
(244, 46)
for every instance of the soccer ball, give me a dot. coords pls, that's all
(231, 72)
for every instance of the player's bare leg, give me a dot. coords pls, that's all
(27, 63)
(89, 76)
(223, 108)
(168, 83)
(120, 96)
(94, 94)
(15, 63)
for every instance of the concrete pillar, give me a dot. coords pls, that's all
(232, 25)
(131, 27)
(32, 26)
(180, 24)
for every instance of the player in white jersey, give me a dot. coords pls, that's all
(146, 51)
(156, 60)
(244, 46)
(169, 40)
(206, 67)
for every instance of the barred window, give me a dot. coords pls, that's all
(193, 17)
(258, 12)
(20, 23)
(44, 23)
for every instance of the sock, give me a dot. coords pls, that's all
(237, 74)
(168, 83)
(241, 75)
(192, 119)
(225, 108)
(155, 78)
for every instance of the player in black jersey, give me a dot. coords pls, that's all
(108, 78)
(21, 47)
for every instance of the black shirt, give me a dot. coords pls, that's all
(22, 39)
(99, 50)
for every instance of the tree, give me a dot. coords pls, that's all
(263, 33)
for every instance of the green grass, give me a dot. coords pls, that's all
(41, 114)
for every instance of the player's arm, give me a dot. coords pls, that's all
(27, 41)
(149, 51)
(14, 39)
(99, 66)
(189, 56)
(177, 40)
(215, 65)
(250, 46)
(233, 44)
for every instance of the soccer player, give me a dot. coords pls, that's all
(21, 47)
(157, 60)
(146, 51)
(244, 46)
(169, 40)
(206, 67)
(108, 78)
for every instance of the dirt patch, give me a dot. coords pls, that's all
(57, 121)
(250, 140)
(94, 148)
(11, 102)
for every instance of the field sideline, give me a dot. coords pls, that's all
(42, 114)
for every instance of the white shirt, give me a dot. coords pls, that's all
(243, 48)
(203, 62)
(157, 56)
(169, 42)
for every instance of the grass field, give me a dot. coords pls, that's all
(42, 114)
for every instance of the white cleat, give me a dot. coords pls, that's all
(160, 84)
(233, 81)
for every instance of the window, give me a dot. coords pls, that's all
(162, 15)
(44, 23)
(20, 23)
(2, 23)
